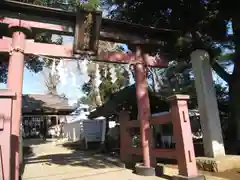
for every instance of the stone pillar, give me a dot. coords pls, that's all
(207, 104)
(14, 83)
(183, 136)
(143, 111)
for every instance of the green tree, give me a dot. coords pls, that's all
(202, 23)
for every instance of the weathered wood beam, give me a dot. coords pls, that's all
(66, 52)
(64, 29)
(63, 22)
(128, 38)
(117, 36)
(129, 58)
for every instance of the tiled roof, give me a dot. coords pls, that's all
(126, 98)
(44, 102)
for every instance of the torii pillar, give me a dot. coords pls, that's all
(144, 112)
(14, 83)
(207, 103)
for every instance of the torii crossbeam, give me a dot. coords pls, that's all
(57, 21)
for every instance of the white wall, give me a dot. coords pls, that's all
(91, 130)
(73, 131)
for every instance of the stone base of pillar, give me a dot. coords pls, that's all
(179, 177)
(218, 164)
(142, 170)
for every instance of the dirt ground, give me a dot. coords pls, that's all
(233, 174)
(50, 161)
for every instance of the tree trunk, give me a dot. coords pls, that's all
(234, 90)
(233, 128)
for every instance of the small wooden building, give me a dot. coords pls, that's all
(41, 111)
(125, 99)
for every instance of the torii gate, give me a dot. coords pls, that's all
(23, 21)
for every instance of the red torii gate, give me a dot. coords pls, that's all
(23, 20)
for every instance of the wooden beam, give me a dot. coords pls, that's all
(64, 29)
(129, 58)
(116, 36)
(56, 20)
(128, 38)
(66, 52)
(164, 153)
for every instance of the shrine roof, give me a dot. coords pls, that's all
(126, 99)
(45, 103)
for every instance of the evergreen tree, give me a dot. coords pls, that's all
(202, 24)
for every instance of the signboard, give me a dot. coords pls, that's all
(92, 130)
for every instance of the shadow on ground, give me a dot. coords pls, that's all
(113, 157)
(28, 151)
(34, 142)
(28, 145)
(76, 158)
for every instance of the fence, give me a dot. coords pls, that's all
(182, 150)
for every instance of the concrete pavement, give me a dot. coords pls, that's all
(53, 162)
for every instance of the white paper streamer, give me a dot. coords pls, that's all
(131, 79)
(53, 68)
(62, 72)
(113, 74)
(98, 76)
(74, 80)
(83, 66)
